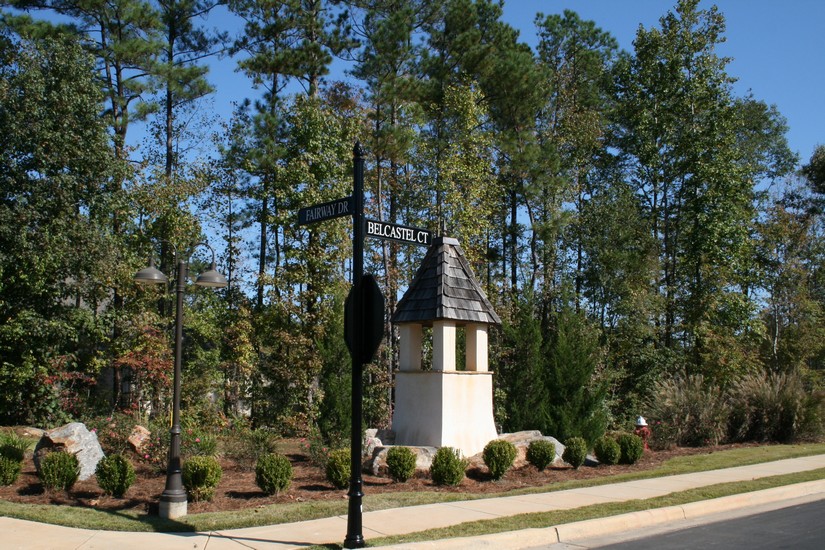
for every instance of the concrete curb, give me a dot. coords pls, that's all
(645, 519)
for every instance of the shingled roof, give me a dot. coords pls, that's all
(444, 288)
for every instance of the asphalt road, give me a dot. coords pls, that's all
(800, 527)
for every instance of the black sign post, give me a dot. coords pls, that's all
(364, 316)
(355, 534)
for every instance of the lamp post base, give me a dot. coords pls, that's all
(170, 509)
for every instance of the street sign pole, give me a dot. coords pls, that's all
(355, 536)
(364, 309)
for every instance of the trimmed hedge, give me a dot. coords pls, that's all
(338, 468)
(401, 463)
(448, 466)
(115, 474)
(201, 475)
(499, 456)
(273, 473)
(632, 448)
(541, 453)
(575, 452)
(607, 450)
(59, 470)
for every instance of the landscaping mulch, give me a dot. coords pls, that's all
(237, 489)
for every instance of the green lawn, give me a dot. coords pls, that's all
(286, 513)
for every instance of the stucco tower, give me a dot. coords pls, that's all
(444, 406)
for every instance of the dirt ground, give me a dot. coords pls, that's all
(237, 489)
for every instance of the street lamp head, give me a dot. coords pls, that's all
(150, 275)
(211, 278)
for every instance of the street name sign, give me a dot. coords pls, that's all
(400, 233)
(326, 211)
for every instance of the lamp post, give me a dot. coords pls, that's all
(173, 499)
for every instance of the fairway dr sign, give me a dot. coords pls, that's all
(325, 211)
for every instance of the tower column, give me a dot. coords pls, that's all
(476, 335)
(409, 346)
(444, 345)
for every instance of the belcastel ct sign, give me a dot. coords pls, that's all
(400, 233)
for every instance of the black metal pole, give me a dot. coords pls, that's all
(355, 536)
(173, 499)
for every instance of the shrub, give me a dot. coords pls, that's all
(448, 466)
(115, 474)
(13, 447)
(772, 407)
(155, 450)
(575, 451)
(662, 436)
(607, 450)
(59, 470)
(499, 456)
(201, 474)
(197, 443)
(273, 473)
(697, 412)
(401, 463)
(632, 448)
(317, 449)
(9, 470)
(541, 453)
(113, 431)
(338, 468)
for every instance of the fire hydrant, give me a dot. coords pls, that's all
(642, 430)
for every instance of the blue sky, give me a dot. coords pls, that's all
(777, 50)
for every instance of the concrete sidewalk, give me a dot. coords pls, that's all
(28, 535)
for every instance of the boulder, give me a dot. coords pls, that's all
(377, 462)
(73, 438)
(523, 439)
(376, 452)
(138, 438)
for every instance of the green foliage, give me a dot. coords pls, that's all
(541, 453)
(115, 474)
(155, 451)
(12, 453)
(607, 450)
(59, 470)
(335, 410)
(663, 436)
(696, 410)
(575, 452)
(246, 445)
(13, 446)
(56, 165)
(499, 456)
(273, 473)
(198, 443)
(401, 463)
(9, 470)
(317, 449)
(555, 376)
(520, 369)
(201, 475)
(448, 466)
(112, 431)
(632, 448)
(338, 468)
